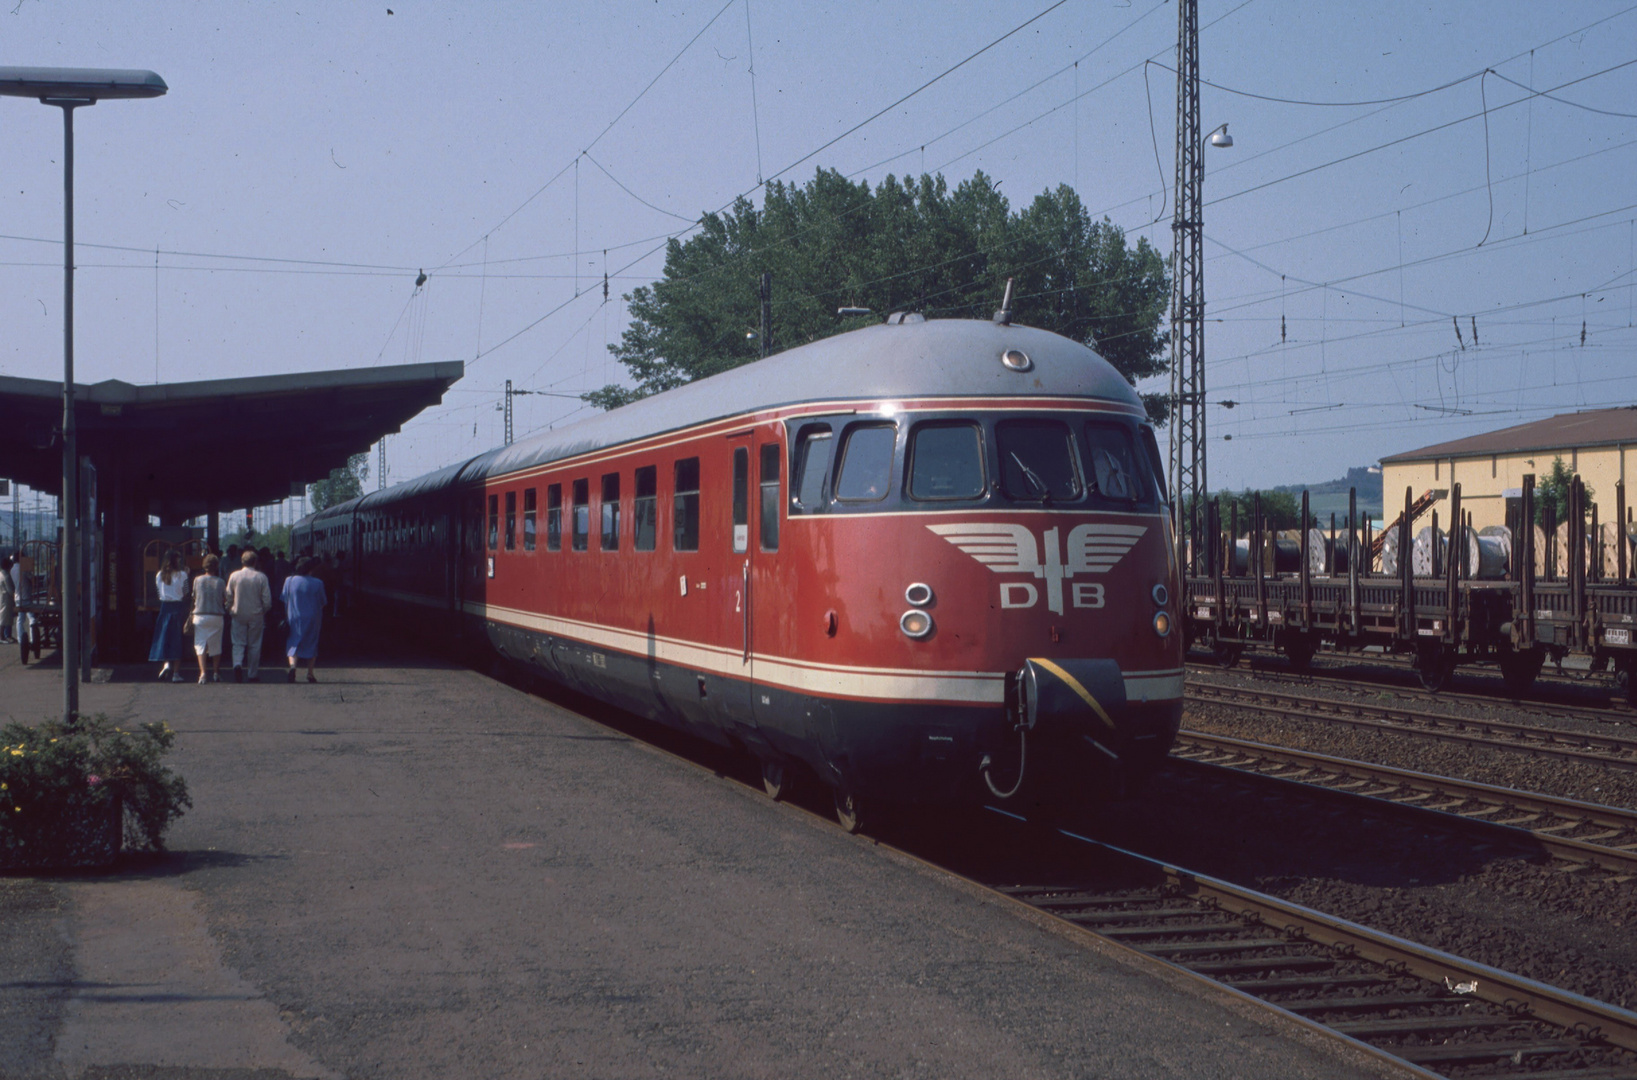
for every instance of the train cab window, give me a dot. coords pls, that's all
(511, 521)
(494, 522)
(611, 512)
(946, 461)
(554, 517)
(1113, 462)
(645, 509)
(1156, 464)
(866, 463)
(1038, 461)
(582, 515)
(812, 465)
(741, 499)
(528, 519)
(770, 497)
(685, 531)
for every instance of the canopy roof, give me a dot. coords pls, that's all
(232, 442)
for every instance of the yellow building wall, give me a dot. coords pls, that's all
(1485, 480)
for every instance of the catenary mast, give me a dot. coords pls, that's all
(1188, 482)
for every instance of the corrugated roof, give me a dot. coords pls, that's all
(1578, 430)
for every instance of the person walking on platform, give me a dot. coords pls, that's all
(249, 598)
(304, 602)
(209, 612)
(172, 583)
(8, 602)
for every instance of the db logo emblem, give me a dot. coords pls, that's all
(1011, 549)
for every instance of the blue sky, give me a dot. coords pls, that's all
(311, 158)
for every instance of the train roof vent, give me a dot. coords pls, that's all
(899, 318)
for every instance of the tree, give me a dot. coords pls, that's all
(911, 244)
(1552, 495)
(1280, 509)
(342, 484)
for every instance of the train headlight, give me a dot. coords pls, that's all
(915, 623)
(919, 594)
(1162, 623)
(1161, 595)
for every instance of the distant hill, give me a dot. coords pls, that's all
(1330, 496)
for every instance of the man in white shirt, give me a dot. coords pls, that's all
(249, 597)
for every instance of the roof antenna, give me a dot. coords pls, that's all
(1003, 317)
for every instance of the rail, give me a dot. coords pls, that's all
(1397, 998)
(1612, 751)
(1579, 832)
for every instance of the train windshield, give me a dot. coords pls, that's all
(946, 461)
(866, 463)
(1038, 462)
(1113, 462)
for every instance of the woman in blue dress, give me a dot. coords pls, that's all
(304, 601)
(172, 585)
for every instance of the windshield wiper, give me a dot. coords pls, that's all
(1034, 479)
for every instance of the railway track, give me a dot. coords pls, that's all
(1601, 709)
(1584, 833)
(1611, 751)
(1396, 998)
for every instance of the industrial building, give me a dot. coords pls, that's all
(1490, 467)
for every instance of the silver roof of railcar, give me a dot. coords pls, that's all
(936, 358)
(914, 359)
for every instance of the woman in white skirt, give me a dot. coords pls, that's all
(209, 610)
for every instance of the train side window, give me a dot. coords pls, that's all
(1113, 462)
(1155, 463)
(529, 511)
(582, 515)
(946, 461)
(645, 509)
(769, 533)
(1038, 462)
(511, 521)
(741, 499)
(686, 529)
(611, 512)
(812, 465)
(866, 463)
(554, 517)
(494, 522)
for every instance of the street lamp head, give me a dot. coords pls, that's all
(1220, 137)
(79, 84)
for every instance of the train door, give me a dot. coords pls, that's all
(740, 705)
(770, 600)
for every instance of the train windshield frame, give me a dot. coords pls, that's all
(1081, 459)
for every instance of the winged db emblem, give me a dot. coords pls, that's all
(1093, 548)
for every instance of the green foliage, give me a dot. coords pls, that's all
(342, 484)
(1281, 509)
(275, 538)
(1552, 495)
(910, 244)
(55, 775)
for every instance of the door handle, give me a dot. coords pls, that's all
(745, 603)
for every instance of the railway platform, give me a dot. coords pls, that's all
(412, 870)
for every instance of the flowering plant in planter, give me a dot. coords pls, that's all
(69, 793)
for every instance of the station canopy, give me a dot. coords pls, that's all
(182, 448)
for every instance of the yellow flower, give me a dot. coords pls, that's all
(16, 753)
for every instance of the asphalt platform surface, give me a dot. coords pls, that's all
(411, 870)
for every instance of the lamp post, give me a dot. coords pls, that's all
(69, 89)
(1188, 475)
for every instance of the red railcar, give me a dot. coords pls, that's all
(927, 560)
